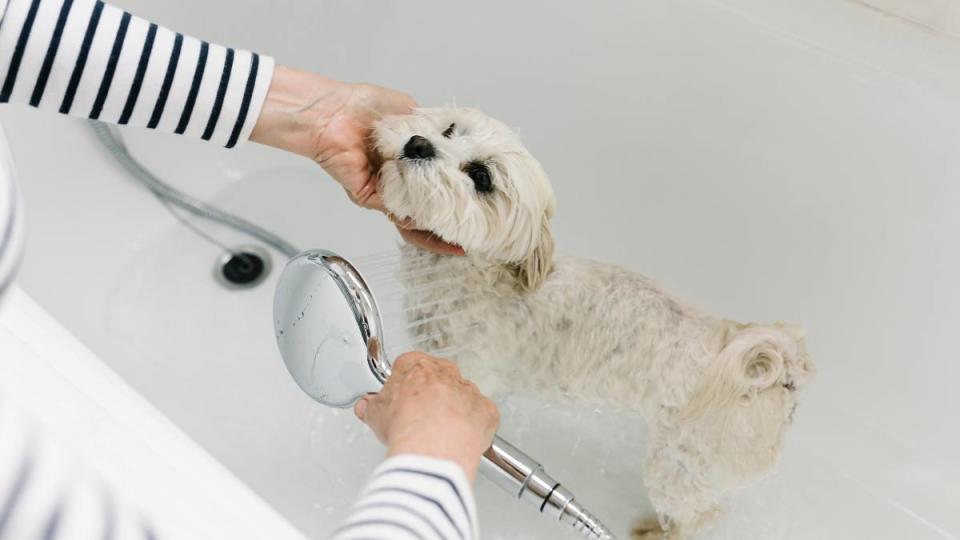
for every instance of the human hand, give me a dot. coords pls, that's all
(330, 122)
(427, 408)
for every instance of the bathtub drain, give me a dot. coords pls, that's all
(243, 267)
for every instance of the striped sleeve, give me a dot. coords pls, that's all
(413, 497)
(45, 492)
(92, 60)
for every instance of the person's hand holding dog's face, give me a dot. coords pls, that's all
(330, 122)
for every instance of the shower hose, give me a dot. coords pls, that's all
(110, 138)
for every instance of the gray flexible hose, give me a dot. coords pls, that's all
(165, 192)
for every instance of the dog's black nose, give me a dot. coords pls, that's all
(418, 148)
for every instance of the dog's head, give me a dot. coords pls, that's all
(467, 178)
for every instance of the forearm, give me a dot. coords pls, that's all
(297, 110)
(92, 60)
(447, 447)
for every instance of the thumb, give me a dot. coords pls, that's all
(370, 411)
(360, 407)
(367, 408)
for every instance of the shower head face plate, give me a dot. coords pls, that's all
(328, 329)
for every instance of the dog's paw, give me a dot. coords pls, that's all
(648, 529)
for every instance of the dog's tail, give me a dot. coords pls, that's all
(753, 359)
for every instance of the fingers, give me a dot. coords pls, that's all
(402, 223)
(375, 202)
(426, 370)
(360, 407)
(372, 411)
(405, 361)
(408, 230)
(367, 197)
(447, 375)
(429, 241)
(493, 413)
(411, 361)
(410, 371)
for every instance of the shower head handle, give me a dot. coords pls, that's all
(524, 478)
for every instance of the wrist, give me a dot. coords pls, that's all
(467, 460)
(297, 109)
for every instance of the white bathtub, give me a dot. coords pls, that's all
(764, 159)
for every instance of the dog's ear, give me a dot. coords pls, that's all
(532, 271)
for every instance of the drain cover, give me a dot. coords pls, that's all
(243, 267)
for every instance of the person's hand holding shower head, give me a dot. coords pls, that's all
(330, 122)
(427, 408)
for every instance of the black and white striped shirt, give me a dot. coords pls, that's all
(414, 497)
(92, 60)
(89, 59)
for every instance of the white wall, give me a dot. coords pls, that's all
(938, 16)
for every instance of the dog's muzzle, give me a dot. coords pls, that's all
(418, 148)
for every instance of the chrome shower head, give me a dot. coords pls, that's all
(330, 334)
(328, 329)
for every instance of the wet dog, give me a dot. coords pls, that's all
(716, 394)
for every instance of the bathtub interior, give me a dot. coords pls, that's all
(764, 160)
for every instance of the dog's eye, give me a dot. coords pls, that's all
(449, 131)
(480, 174)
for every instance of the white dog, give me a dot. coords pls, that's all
(717, 395)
